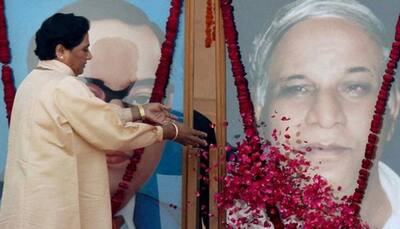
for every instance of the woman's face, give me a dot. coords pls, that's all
(324, 77)
(77, 57)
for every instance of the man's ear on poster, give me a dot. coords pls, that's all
(393, 111)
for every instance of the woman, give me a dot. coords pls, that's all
(56, 172)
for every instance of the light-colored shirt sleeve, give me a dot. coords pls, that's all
(124, 114)
(97, 122)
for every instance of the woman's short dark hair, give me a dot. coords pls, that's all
(65, 29)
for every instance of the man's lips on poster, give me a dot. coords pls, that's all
(116, 158)
(325, 150)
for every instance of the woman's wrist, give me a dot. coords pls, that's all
(136, 113)
(176, 131)
(170, 131)
(142, 113)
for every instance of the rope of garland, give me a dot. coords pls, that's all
(246, 107)
(5, 58)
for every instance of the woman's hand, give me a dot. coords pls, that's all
(184, 135)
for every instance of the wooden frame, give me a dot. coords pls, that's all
(188, 185)
(203, 66)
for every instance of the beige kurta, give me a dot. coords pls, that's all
(56, 173)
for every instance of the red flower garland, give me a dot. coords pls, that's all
(376, 123)
(210, 24)
(167, 51)
(246, 107)
(279, 176)
(5, 57)
(9, 89)
(4, 44)
(158, 93)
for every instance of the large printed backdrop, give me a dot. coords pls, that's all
(261, 12)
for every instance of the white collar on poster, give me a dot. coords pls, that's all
(390, 182)
(127, 213)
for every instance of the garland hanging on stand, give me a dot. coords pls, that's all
(210, 24)
(5, 58)
(246, 107)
